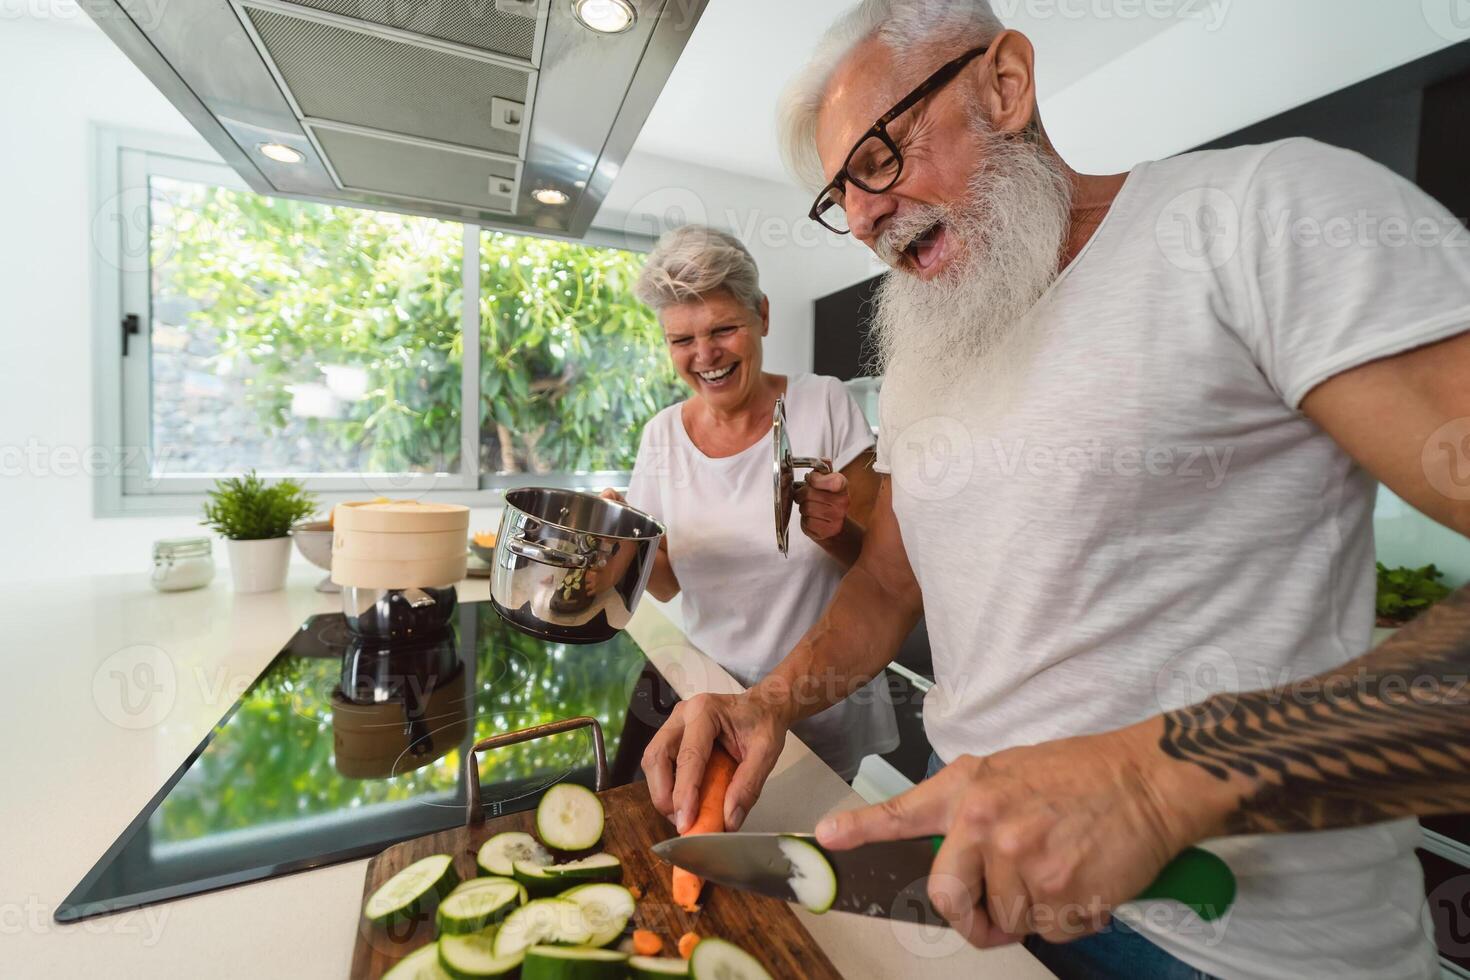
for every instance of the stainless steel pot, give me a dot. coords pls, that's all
(571, 567)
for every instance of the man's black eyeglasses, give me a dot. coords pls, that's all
(875, 163)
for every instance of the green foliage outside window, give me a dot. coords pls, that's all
(572, 364)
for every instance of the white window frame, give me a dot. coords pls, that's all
(124, 160)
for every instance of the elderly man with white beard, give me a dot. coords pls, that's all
(1131, 435)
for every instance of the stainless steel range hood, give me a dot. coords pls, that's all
(458, 109)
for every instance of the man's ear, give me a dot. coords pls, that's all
(1007, 82)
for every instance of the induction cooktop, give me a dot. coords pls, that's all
(337, 750)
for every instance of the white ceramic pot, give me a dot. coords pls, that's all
(259, 566)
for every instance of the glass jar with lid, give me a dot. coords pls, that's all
(180, 564)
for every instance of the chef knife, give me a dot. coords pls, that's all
(888, 879)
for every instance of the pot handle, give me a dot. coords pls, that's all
(808, 463)
(521, 548)
(474, 815)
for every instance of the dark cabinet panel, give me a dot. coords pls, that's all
(840, 345)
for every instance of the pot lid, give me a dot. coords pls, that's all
(783, 474)
(782, 477)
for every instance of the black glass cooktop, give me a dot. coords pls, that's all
(336, 751)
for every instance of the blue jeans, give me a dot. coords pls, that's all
(1116, 953)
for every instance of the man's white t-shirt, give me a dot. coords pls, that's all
(743, 603)
(1149, 518)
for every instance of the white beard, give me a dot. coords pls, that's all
(963, 325)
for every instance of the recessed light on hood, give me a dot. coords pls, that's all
(281, 153)
(550, 195)
(605, 16)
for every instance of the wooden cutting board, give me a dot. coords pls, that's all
(764, 927)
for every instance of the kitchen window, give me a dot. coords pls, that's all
(340, 346)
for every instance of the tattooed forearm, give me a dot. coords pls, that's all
(1384, 736)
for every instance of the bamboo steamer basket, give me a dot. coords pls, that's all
(399, 544)
(376, 546)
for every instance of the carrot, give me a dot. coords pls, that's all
(646, 943)
(635, 891)
(709, 817)
(687, 942)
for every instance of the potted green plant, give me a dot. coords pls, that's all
(1404, 593)
(255, 520)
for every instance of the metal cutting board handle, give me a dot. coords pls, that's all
(474, 814)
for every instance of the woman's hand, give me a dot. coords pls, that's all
(662, 583)
(751, 728)
(824, 502)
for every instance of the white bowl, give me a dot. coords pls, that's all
(314, 541)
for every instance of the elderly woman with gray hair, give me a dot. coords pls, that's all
(704, 469)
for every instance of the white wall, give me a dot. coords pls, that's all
(1246, 60)
(60, 77)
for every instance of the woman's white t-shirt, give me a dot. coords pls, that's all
(743, 603)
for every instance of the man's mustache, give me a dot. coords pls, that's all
(904, 228)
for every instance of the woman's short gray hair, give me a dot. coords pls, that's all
(906, 27)
(694, 260)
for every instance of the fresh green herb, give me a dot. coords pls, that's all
(245, 509)
(1404, 593)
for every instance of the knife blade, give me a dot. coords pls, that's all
(889, 879)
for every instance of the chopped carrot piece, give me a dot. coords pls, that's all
(635, 891)
(687, 942)
(646, 943)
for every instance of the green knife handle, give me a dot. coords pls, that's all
(1196, 878)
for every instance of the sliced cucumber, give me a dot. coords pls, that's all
(569, 818)
(499, 853)
(657, 967)
(598, 867)
(538, 881)
(473, 955)
(542, 920)
(573, 963)
(812, 880)
(606, 908)
(715, 959)
(471, 909)
(421, 964)
(412, 890)
(488, 881)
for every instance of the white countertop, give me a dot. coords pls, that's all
(79, 766)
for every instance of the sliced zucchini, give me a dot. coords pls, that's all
(598, 867)
(411, 891)
(471, 909)
(715, 959)
(542, 920)
(606, 909)
(499, 853)
(812, 881)
(536, 880)
(569, 818)
(484, 881)
(473, 955)
(573, 963)
(421, 964)
(657, 967)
